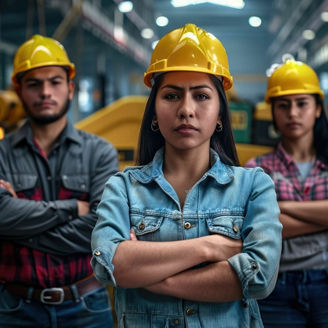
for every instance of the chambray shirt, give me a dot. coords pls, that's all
(232, 201)
(308, 251)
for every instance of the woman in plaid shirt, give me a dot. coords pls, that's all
(299, 168)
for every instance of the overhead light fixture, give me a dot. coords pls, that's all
(324, 16)
(147, 33)
(238, 4)
(255, 21)
(125, 6)
(308, 35)
(162, 21)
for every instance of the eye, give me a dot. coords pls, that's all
(171, 96)
(202, 96)
(282, 105)
(302, 104)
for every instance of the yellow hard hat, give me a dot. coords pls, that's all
(292, 77)
(40, 51)
(189, 48)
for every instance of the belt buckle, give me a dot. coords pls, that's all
(47, 299)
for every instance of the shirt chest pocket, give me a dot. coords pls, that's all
(229, 225)
(23, 182)
(77, 185)
(153, 228)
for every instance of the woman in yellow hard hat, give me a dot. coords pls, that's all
(187, 237)
(299, 168)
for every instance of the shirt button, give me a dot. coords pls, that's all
(141, 226)
(70, 217)
(190, 311)
(187, 225)
(97, 253)
(235, 229)
(49, 177)
(176, 322)
(83, 186)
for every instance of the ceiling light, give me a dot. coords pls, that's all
(125, 6)
(162, 21)
(308, 35)
(255, 21)
(324, 16)
(238, 4)
(147, 33)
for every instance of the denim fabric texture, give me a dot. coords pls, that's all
(232, 201)
(299, 300)
(92, 311)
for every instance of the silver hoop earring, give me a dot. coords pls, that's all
(154, 125)
(218, 127)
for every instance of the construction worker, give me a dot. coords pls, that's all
(205, 239)
(51, 180)
(299, 168)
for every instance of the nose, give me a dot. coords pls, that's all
(293, 109)
(45, 90)
(187, 107)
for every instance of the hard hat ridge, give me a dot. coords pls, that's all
(190, 48)
(40, 51)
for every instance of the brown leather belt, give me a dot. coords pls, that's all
(55, 295)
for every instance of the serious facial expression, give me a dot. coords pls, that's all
(295, 115)
(45, 93)
(187, 109)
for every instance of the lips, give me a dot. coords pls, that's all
(186, 128)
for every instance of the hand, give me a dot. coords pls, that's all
(133, 234)
(83, 208)
(6, 185)
(220, 247)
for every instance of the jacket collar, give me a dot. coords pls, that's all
(219, 171)
(25, 134)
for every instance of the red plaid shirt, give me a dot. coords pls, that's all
(283, 170)
(78, 165)
(307, 251)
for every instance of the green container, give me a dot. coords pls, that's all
(241, 120)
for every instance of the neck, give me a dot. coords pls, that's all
(46, 135)
(301, 150)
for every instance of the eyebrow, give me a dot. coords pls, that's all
(35, 79)
(289, 100)
(175, 87)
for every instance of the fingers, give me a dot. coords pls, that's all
(6, 185)
(133, 234)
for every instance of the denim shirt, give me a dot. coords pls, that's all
(232, 201)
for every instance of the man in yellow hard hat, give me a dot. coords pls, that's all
(51, 180)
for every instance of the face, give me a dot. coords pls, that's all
(187, 109)
(295, 115)
(46, 93)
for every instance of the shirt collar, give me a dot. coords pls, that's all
(221, 172)
(25, 133)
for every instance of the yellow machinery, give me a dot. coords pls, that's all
(119, 123)
(11, 111)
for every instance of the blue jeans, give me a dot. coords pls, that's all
(93, 311)
(299, 300)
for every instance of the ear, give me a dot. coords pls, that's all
(318, 111)
(71, 87)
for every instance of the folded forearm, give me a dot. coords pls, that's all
(293, 227)
(216, 282)
(310, 211)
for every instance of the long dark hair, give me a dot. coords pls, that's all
(222, 142)
(320, 129)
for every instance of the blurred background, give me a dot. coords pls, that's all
(111, 41)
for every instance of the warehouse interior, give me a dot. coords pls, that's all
(111, 41)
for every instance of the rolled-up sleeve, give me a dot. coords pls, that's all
(257, 265)
(112, 227)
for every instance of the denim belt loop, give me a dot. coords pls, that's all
(75, 293)
(29, 294)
